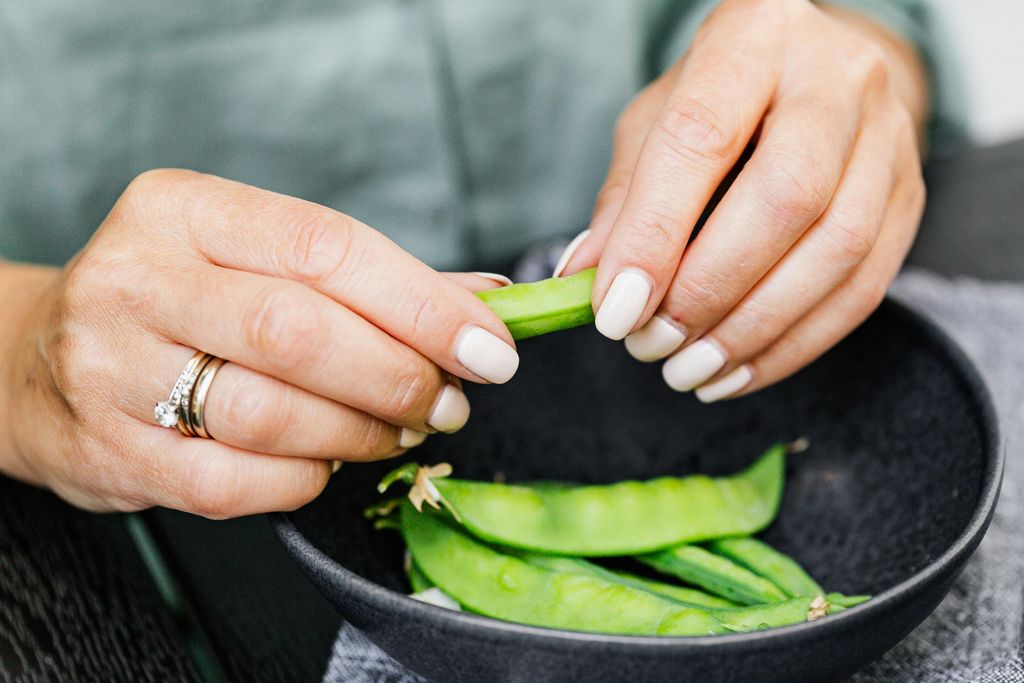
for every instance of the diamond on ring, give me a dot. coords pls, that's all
(168, 413)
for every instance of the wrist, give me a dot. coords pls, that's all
(909, 75)
(23, 289)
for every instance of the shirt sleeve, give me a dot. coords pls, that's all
(913, 20)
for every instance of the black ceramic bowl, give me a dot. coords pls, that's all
(894, 494)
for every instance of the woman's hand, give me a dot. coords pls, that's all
(340, 346)
(809, 235)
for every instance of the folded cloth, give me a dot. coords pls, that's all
(976, 633)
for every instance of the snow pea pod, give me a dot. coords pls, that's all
(762, 559)
(715, 574)
(418, 581)
(558, 593)
(846, 600)
(533, 308)
(489, 582)
(689, 597)
(626, 518)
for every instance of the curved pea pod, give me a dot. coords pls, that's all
(792, 611)
(689, 597)
(769, 563)
(489, 582)
(715, 574)
(536, 308)
(626, 518)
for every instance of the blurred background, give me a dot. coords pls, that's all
(987, 38)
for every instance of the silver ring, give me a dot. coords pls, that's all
(168, 413)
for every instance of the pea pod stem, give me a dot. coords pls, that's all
(535, 308)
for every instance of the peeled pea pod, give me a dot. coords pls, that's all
(534, 308)
(626, 518)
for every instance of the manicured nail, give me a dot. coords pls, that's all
(497, 277)
(451, 411)
(727, 386)
(487, 356)
(563, 260)
(655, 340)
(623, 304)
(335, 466)
(692, 366)
(410, 438)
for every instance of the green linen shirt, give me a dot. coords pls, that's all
(463, 130)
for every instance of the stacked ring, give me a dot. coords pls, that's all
(185, 408)
(196, 413)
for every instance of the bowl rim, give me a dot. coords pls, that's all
(321, 567)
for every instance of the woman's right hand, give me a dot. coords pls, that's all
(340, 346)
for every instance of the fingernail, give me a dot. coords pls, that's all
(727, 386)
(497, 277)
(451, 411)
(623, 304)
(692, 366)
(655, 340)
(335, 466)
(487, 356)
(563, 260)
(410, 438)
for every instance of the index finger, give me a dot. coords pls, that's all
(245, 228)
(710, 114)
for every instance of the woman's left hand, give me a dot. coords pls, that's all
(807, 239)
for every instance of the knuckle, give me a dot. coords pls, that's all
(213, 488)
(320, 245)
(870, 294)
(282, 327)
(796, 188)
(410, 395)
(309, 482)
(373, 438)
(696, 301)
(852, 232)
(252, 413)
(693, 127)
(868, 65)
(654, 229)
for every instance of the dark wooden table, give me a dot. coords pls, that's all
(165, 596)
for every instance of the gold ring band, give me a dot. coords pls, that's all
(197, 408)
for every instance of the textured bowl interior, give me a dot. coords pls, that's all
(902, 446)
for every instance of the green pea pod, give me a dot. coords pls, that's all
(683, 594)
(490, 582)
(418, 581)
(536, 308)
(715, 574)
(626, 518)
(689, 597)
(785, 613)
(846, 600)
(769, 563)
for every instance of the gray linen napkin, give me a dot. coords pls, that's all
(976, 633)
